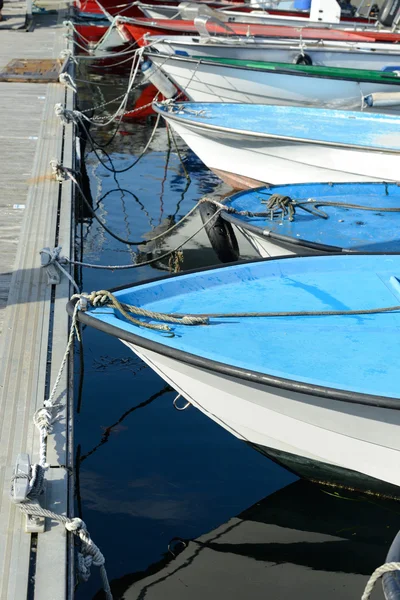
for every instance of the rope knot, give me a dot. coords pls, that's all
(66, 79)
(58, 170)
(100, 298)
(66, 115)
(84, 564)
(75, 525)
(36, 482)
(283, 204)
(43, 419)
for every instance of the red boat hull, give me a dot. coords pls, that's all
(115, 8)
(140, 27)
(91, 33)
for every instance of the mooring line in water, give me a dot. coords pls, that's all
(76, 116)
(89, 554)
(65, 260)
(377, 574)
(96, 147)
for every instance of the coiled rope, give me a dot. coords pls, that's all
(287, 206)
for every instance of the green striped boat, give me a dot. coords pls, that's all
(256, 82)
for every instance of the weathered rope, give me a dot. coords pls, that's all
(66, 79)
(377, 574)
(287, 206)
(106, 298)
(89, 553)
(298, 313)
(44, 417)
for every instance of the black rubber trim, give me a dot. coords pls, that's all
(286, 239)
(231, 371)
(276, 71)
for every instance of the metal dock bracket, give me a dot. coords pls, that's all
(46, 261)
(20, 493)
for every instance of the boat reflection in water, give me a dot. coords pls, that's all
(302, 541)
(196, 250)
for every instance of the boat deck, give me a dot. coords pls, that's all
(35, 211)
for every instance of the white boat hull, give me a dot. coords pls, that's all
(215, 83)
(340, 54)
(342, 435)
(245, 160)
(266, 248)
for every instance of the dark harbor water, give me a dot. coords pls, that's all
(180, 508)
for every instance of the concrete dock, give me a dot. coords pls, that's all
(35, 211)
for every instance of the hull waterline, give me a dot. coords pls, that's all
(332, 442)
(259, 161)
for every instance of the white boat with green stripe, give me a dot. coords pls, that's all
(256, 82)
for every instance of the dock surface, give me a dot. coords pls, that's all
(35, 212)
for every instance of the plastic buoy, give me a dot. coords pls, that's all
(158, 79)
(220, 233)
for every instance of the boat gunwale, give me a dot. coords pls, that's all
(159, 109)
(263, 379)
(243, 42)
(267, 233)
(276, 71)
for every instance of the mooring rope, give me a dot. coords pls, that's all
(106, 298)
(89, 554)
(377, 574)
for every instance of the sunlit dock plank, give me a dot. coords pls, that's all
(35, 211)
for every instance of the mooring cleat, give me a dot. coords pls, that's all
(19, 493)
(47, 261)
(20, 480)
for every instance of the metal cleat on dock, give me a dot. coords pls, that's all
(47, 260)
(21, 488)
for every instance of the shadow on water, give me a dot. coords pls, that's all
(159, 489)
(301, 538)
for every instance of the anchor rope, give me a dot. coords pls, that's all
(89, 554)
(377, 574)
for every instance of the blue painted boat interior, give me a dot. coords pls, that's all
(355, 229)
(355, 353)
(335, 126)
